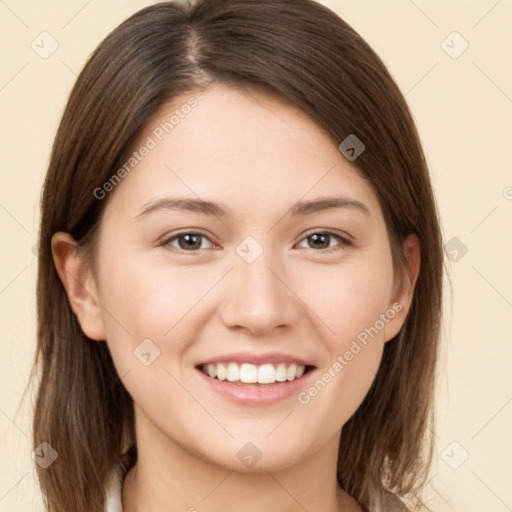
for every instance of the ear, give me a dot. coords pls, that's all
(78, 281)
(403, 287)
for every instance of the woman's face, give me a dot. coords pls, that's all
(181, 283)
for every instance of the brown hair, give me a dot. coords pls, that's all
(308, 55)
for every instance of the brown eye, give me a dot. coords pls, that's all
(320, 240)
(323, 240)
(187, 241)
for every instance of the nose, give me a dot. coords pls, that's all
(258, 297)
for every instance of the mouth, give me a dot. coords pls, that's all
(248, 374)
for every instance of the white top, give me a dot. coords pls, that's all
(113, 502)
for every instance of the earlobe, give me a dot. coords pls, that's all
(403, 289)
(78, 281)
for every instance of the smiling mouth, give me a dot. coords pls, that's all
(261, 375)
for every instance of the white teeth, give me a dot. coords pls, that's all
(281, 372)
(266, 374)
(221, 371)
(251, 374)
(291, 372)
(248, 373)
(233, 372)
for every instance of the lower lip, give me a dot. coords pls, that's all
(253, 394)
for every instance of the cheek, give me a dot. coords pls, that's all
(151, 303)
(155, 312)
(351, 303)
(348, 299)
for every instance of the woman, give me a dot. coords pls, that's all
(240, 271)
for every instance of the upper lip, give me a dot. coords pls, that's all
(256, 359)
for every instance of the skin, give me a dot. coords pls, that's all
(257, 155)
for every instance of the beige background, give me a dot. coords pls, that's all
(463, 108)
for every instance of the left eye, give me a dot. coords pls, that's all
(323, 239)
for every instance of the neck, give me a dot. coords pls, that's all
(169, 477)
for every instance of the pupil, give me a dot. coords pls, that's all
(191, 242)
(317, 237)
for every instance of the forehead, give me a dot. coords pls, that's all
(247, 148)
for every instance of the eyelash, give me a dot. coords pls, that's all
(344, 242)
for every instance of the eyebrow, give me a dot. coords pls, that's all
(300, 208)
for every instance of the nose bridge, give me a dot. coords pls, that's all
(257, 297)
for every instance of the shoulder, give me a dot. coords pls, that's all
(387, 502)
(114, 486)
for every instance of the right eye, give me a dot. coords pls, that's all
(187, 241)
